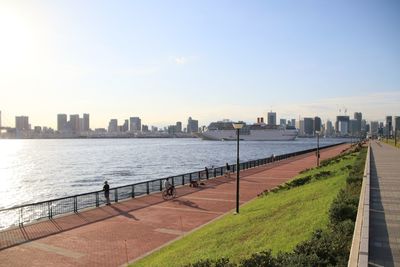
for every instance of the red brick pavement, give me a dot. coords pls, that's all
(120, 233)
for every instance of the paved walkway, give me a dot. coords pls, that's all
(384, 234)
(120, 233)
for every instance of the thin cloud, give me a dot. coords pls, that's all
(139, 71)
(181, 60)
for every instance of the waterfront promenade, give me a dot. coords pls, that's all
(125, 231)
(384, 234)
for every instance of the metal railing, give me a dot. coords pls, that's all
(18, 215)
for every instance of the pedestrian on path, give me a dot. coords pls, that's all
(228, 171)
(106, 189)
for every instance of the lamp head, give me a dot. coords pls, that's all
(238, 125)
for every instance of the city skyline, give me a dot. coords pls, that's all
(168, 61)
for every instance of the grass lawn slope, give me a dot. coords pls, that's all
(277, 221)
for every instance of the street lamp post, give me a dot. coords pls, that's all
(317, 132)
(237, 127)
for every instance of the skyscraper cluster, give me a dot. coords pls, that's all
(75, 124)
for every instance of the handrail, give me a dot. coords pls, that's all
(33, 211)
(359, 246)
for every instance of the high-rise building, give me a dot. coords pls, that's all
(293, 122)
(179, 126)
(192, 126)
(125, 126)
(309, 126)
(86, 123)
(353, 127)
(271, 118)
(22, 123)
(397, 124)
(374, 129)
(301, 127)
(282, 122)
(135, 124)
(62, 122)
(74, 123)
(113, 126)
(342, 125)
(389, 125)
(358, 118)
(317, 124)
(145, 128)
(329, 128)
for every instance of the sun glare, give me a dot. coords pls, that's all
(17, 40)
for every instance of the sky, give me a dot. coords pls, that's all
(167, 60)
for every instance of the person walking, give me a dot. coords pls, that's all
(106, 189)
(228, 171)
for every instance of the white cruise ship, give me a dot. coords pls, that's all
(223, 130)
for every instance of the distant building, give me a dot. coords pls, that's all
(154, 129)
(329, 128)
(309, 126)
(22, 123)
(193, 125)
(260, 120)
(282, 122)
(0, 122)
(125, 126)
(37, 129)
(389, 126)
(397, 124)
(135, 124)
(342, 125)
(179, 126)
(86, 123)
(271, 118)
(113, 126)
(353, 128)
(374, 129)
(358, 118)
(293, 122)
(74, 123)
(172, 129)
(317, 124)
(301, 127)
(62, 122)
(145, 128)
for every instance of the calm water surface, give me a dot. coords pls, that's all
(37, 170)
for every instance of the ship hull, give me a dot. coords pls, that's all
(253, 135)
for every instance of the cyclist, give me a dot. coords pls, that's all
(168, 186)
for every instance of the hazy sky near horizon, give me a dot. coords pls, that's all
(167, 60)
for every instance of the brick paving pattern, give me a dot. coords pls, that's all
(384, 234)
(125, 231)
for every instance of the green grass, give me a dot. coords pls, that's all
(391, 142)
(277, 221)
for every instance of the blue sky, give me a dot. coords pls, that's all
(167, 60)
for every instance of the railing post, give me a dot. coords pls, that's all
(21, 219)
(133, 191)
(190, 177)
(49, 209)
(215, 172)
(173, 181)
(116, 194)
(161, 185)
(147, 188)
(97, 199)
(199, 174)
(76, 204)
(183, 179)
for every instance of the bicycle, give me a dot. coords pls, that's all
(169, 193)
